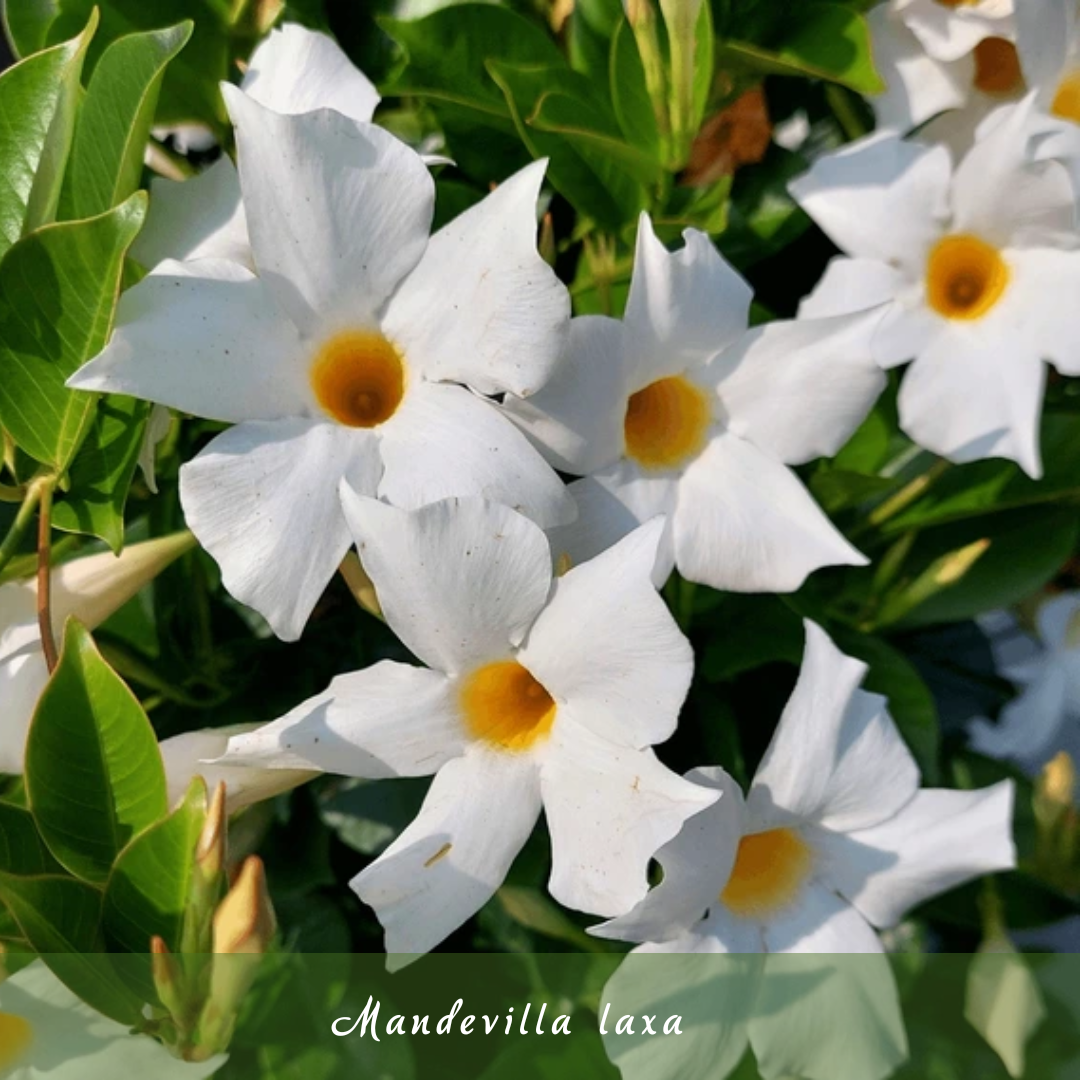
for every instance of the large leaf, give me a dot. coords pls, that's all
(61, 918)
(115, 118)
(150, 883)
(102, 471)
(38, 98)
(58, 290)
(629, 94)
(27, 23)
(94, 774)
(22, 851)
(821, 40)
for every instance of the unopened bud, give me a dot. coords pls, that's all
(244, 921)
(168, 978)
(210, 850)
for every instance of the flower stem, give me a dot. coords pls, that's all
(44, 574)
(9, 547)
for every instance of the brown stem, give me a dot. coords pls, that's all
(44, 578)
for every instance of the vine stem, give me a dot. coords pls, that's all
(44, 575)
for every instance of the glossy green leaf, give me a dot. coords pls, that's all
(821, 40)
(94, 775)
(61, 918)
(150, 884)
(58, 289)
(22, 851)
(114, 121)
(27, 23)
(38, 99)
(101, 473)
(629, 95)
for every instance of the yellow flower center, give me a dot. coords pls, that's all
(666, 423)
(358, 378)
(965, 277)
(957, 3)
(770, 867)
(16, 1035)
(506, 706)
(997, 67)
(1066, 103)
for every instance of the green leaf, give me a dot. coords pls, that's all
(58, 289)
(94, 774)
(27, 23)
(150, 883)
(22, 851)
(38, 99)
(821, 40)
(115, 118)
(61, 918)
(629, 95)
(102, 471)
(704, 64)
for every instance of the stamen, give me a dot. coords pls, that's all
(358, 378)
(965, 277)
(770, 868)
(503, 704)
(666, 423)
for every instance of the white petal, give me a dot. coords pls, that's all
(997, 191)
(696, 865)
(577, 418)
(388, 720)
(482, 307)
(611, 504)
(829, 1017)
(206, 338)
(338, 212)
(262, 499)
(820, 922)
(940, 839)
(907, 329)
(836, 757)
(198, 218)
(22, 679)
(296, 70)
(1057, 619)
(852, 285)
(1029, 727)
(745, 523)
(609, 808)
(975, 392)
(880, 198)
(683, 306)
(949, 32)
(1039, 304)
(798, 389)
(917, 86)
(445, 441)
(1044, 34)
(460, 581)
(448, 863)
(607, 645)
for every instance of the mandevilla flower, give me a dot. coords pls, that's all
(975, 265)
(835, 836)
(537, 694)
(677, 410)
(48, 1033)
(344, 354)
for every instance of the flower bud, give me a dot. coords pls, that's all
(244, 921)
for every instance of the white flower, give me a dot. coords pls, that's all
(47, 1033)
(293, 71)
(950, 29)
(339, 357)
(537, 694)
(90, 588)
(677, 411)
(834, 838)
(1036, 724)
(977, 268)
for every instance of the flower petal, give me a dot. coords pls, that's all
(940, 839)
(696, 864)
(745, 523)
(296, 70)
(448, 863)
(607, 646)
(609, 808)
(205, 338)
(444, 441)
(262, 499)
(683, 307)
(1044, 34)
(948, 32)
(820, 922)
(338, 212)
(1037, 304)
(198, 218)
(836, 757)
(388, 720)
(852, 285)
(460, 581)
(1029, 727)
(482, 307)
(975, 392)
(23, 677)
(880, 198)
(1057, 619)
(577, 418)
(798, 389)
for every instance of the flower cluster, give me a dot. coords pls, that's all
(411, 394)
